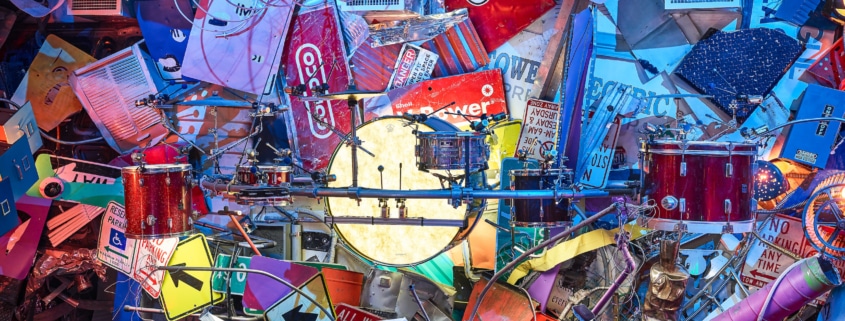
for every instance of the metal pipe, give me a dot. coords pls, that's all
(464, 193)
(776, 247)
(622, 243)
(129, 308)
(552, 240)
(243, 234)
(373, 220)
(264, 273)
(801, 283)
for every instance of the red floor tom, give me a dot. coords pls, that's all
(699, 186)
(158, 200)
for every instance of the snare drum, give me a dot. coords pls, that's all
(540, 212)
(699, 186)
(275, 175)
(158, 200)
(450, 150)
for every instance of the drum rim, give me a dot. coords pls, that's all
(158, 168)
(468, 213)
(699, 143)
(450, 134)
(282, 168)
(532, 171)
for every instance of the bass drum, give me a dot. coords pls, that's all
(393, 144)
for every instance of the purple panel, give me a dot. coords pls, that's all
(579, 61)
(16, 259)
(262, 292)
(542, 287)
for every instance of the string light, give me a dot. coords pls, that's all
(769, 181)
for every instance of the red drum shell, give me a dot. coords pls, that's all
(713, 193)
(158, 201)
(276, 175)
(527, 212)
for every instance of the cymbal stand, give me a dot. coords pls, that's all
(344, 137)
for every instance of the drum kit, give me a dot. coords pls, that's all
(381, 206)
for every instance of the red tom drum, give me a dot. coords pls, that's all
(273, 175)
(699, 186)
(158, 200)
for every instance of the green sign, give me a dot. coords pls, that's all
(218, 279)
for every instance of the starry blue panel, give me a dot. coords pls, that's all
(743, 62)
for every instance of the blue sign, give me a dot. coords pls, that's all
(117, 239)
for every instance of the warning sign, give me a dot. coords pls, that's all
(113, 248)
(148, 255)
(297, 307)
(184, 292)
(765, 264)
(539, 128)
(597, 168)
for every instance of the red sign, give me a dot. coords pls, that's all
(497, 21)
(315, 56)
(347, 312)
(473, 94)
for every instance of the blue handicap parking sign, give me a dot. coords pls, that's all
(117, 239)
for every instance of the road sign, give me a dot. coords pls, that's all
(764, 264)
(148, 255)
(347, 312)
(113, 248)
(186, 292)
(261, 292)
(295, 307)
(238, 283)
(598, 164)
(539, 128)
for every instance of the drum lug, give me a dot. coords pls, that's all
(151, 220)
(682, 203)
(170, 224)
(140, 182)
(727, 229)
(684, 168)
(729, 170)
(167, 181)
(727, 207)
(681, 227)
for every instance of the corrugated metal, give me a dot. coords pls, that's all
(108, 90)
(372, 67)
(460, 50)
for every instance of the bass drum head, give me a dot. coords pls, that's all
(393, 144)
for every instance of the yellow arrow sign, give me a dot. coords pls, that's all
(186, 292)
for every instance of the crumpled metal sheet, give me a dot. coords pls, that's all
(64, 263)
(416, 29)
(497, 21)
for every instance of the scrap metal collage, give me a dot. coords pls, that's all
(422, 160)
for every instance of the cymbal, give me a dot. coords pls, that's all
(344, 95)
(217, 101)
